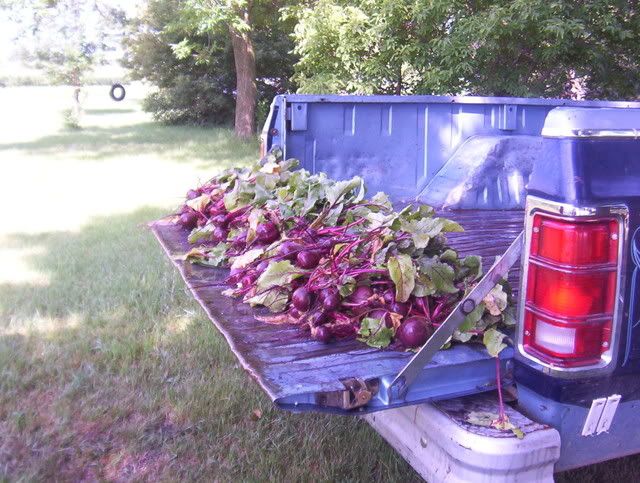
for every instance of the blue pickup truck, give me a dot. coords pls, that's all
(552, 184)
(567, 174)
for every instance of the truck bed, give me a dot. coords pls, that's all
(301, 374)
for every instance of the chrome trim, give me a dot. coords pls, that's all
(560, 267)
(560, 132)
(568, 211)
(591, 319)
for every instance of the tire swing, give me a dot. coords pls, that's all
(117, 92)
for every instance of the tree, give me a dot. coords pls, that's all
(193, 71)
(235, 16)
(539, 47)
(207, 57)
(64, 38)
(355, 46)
(560, 48)
(245, 59)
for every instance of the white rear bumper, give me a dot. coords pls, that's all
(442, 446)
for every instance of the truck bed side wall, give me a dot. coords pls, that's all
(400, 144)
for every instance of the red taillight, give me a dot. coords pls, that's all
(575, 243)
(571, 293)
(571, 290)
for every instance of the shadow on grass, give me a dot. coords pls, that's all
(181, 143)
(622, 469)
(98, 112)
(111, 371)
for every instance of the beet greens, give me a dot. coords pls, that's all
(318, 254)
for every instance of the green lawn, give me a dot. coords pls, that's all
(108, 368)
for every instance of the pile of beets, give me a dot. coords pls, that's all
(318, 254)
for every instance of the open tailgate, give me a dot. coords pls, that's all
(301, 374)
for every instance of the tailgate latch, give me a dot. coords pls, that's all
(357, 393)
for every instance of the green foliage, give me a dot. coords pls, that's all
(71, 119)
(375, 333)
(403, 274)
(184, 49)
(368, 232)
(356, 46)
(64, 38)
(277, 274)
(540, 48)
(492, 47)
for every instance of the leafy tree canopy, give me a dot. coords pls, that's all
(65, 38)
(490, 47)
(186, 50)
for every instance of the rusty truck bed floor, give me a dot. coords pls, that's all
(295, 370)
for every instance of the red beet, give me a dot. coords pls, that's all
(377, 313)
(381, 314)
(307, 259)
(188, 220)
(341, 331)
(414, 332)
(289, 249)
(267, 232)
(219, 234)
(317, 318)
(389, 296)
(399, 308)
(330, 298)
(295, 313)
(301, 299)
(361, 294)
(191, 194)
(322, 334)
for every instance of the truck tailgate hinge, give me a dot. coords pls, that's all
(357, 393)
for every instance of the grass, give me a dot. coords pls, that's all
(108, 368)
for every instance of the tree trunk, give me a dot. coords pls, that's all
(399, 81)
(246, 90)
(76, 110)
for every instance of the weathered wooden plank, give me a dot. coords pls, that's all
(282, 358)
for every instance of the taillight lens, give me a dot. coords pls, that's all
(575, 243)
(571, 289)
(571, 293)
